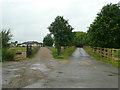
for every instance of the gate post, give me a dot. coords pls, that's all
(29, 50)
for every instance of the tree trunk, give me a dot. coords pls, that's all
(59, 50)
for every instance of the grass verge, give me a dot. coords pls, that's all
(65, 52)
(97, 57)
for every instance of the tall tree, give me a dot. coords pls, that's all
(6, 37)
(62, 32)
(48, 40)
(105, 30)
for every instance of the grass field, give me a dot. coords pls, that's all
(97, 57)
(65, 52)
(17, 48)
(20, 48)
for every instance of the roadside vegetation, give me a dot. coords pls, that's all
(62, 33)
(97, 57)
(79, 39)
(103, 32)
(66, 52)
(7, 55)
(33, 52)
(48, 40)
(5, 49)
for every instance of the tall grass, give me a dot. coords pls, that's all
(7, 55)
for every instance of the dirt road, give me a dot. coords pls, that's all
(79, 71)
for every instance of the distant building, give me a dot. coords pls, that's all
(32, 43)
(24, 44)
(40, 44)
(12, 44)
(19, 45)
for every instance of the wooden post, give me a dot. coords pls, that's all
(107, 53)
(104, 52)
(111, 53)
(29, 50)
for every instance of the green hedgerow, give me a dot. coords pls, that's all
(7, 55)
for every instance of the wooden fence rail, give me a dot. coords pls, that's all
(109, 53)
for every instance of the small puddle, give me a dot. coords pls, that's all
(17, 75)
(40, 67)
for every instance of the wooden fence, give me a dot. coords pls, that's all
(20, 54)
(109, 53)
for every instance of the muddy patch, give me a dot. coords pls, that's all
(40, 67)
(24, 78)
(87, 63)
(65, 62)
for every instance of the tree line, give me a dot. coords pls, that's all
(105, 29)
(103, 32)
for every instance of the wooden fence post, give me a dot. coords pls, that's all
(29, 50)
(108, 53)
(99, 52)
(111, 53)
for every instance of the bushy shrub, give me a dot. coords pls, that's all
(7, 55)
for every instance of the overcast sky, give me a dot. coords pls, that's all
(29, 19)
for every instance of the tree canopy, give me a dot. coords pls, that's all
(79, 39)
(48, 40)
(62, 32)
(6, 37)
(105, 30)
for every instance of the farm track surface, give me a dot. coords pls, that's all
(42, 71)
